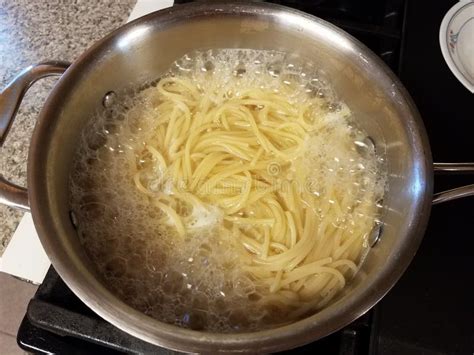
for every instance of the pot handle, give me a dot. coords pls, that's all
(10, 99)
(459, 192)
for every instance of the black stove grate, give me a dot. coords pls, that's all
(57, 322)
(376, 23)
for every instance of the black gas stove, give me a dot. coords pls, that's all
(431, 309)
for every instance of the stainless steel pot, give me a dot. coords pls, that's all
(140, 51)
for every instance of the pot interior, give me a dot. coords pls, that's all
(141, 51)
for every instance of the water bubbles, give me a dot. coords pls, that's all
(195, 320)
(209, 66)
(116, 267)
(365, 147)
(185, 65)
(379, 203)
(334, 107)
(73, 219)
(109, 99)
(274, 69)
(375, 234)
(96, 141)
(240, 70)
(172, 282)
(291, 79)
(238, 319)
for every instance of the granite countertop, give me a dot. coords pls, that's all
(34, 31)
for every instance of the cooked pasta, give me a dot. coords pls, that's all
(260, 161)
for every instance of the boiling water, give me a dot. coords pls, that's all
(200, 283)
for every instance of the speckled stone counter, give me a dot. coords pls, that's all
(33, 31)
